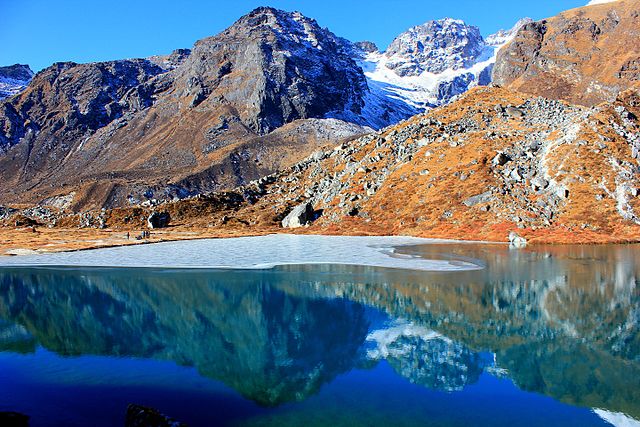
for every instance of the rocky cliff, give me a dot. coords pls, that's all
(584, 56)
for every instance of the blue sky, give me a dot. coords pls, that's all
(40, 32)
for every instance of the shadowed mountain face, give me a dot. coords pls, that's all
(559, 321)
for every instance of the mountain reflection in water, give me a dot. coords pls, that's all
(559, 321)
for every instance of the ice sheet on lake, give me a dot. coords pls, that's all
(251, 253)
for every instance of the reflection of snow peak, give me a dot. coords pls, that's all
(425, 357)
(617, 419)
(383, 338)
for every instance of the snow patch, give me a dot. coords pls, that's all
(592, 2)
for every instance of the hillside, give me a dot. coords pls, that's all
(252, 100)
(180, 138)
(491, 163)
(107, 134)
(584, 56)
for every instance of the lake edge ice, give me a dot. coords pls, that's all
(260, 252)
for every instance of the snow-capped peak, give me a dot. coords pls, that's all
(431, 64)
(503, 37)
(434, 46)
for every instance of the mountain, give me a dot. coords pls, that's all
(237, 106)
(431, 64)
(493, 162)
(584, 56)
(104, 134)
(13, 79)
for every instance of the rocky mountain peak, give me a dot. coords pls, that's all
(171, 61)
(435, 47)
(274, 67)
(430, 65)
(69, 101)
(367, 46)
(13, 79)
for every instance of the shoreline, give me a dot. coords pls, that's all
(16, 242)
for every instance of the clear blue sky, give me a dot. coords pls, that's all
(41, 32)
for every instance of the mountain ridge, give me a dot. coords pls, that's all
(494, 162)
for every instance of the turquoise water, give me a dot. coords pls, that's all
(543, 336)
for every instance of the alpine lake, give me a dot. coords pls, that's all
(541, 336)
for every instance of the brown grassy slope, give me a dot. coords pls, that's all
(568, 176)
(428, 167)
(584, 56)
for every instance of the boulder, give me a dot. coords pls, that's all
(300, 216)
(480, 198)
(516, 241)
(514, 112)
(500, 159)
(158, 220)
(539, 183)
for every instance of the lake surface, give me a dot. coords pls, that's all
(541, 336)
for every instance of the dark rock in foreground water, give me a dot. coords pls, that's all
(143, 416)
(13, 419)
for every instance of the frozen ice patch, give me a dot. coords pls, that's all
(252, 253)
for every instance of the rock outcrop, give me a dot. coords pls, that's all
(158, 220)
(144, 416)
(584, 56)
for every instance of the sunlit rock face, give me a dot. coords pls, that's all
(584, 56)
(177, 125)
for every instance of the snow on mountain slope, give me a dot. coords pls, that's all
(430, 65)
(13, 79)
